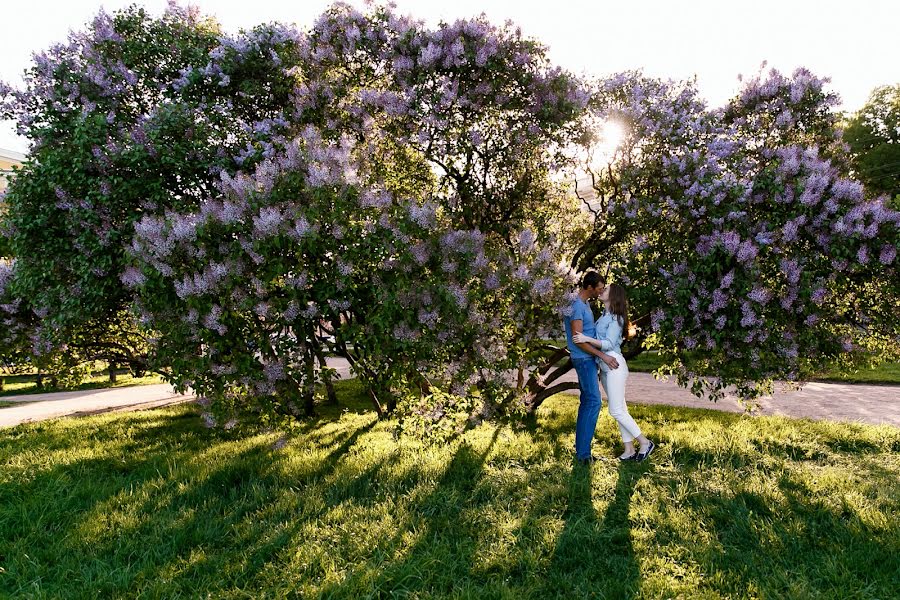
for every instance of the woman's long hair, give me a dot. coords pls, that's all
(618, 306)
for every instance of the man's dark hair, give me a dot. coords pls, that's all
(592, 279)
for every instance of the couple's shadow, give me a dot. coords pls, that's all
(594, 556)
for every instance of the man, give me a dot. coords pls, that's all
(581, 320)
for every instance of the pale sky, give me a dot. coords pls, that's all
(854, 43)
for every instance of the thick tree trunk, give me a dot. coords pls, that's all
(539, 398)
(112, 372)
(539, 383)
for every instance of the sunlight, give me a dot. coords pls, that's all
(612, 133)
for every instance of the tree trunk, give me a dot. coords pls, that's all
(378, 408)
(539, 383)
(538, 399)
(326, 378)
(112, 372)
(363, 375)
(309, 388)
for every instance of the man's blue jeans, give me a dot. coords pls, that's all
(588, 408)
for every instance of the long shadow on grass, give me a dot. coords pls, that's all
(594, 556)
(265, 512)
(801, 547)
(169, 507)
(448, 519)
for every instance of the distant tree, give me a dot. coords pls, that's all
(873, 135)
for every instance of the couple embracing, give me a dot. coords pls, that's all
(596, 351)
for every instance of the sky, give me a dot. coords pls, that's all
(854, 43)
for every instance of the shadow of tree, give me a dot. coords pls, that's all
(796, 548)
(167, 508)
(445, 521)
(163, 504)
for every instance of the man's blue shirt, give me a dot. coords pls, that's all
(580, 311)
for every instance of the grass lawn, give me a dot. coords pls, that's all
(151, 504)
(17, 385)
(885, 373)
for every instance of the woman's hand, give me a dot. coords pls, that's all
(580, 338)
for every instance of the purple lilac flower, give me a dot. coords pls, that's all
(791, 270)
(521, 273)
(133, 278)
(719, 300)
(749, 318)
(727, 280)
(760, 295)
(731, 241)
(231, 213)
(268, 221)
(747, 251)
(542, 287)
(526, 240)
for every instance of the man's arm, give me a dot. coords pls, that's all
(577, 326)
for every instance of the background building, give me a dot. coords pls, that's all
(8, 159)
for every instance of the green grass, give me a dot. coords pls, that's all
(886, 373)
(8, 404)
(151, 504)
(18, 385)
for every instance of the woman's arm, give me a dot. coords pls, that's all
(611, 362)
(580, 339)
(613, 334)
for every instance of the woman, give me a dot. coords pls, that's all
(609, 331)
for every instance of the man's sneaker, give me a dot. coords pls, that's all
(642, 456)
(588, 461)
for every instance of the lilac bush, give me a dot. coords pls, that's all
(749, 252)
(245, 289)
(344, 220)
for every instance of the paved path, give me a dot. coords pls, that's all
(875, 404)
(39, 407)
